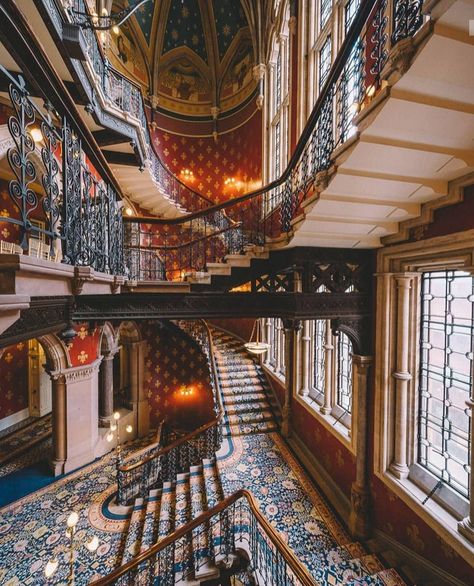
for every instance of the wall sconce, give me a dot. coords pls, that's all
(186, 392)
(91, 546)
(230, 181)
(36, 134)
(187, 174)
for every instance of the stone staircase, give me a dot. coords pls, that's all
(248, 401)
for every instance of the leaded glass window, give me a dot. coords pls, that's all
(319, 341)
(324, 61)
(446, 376)
(277, 151)
(278, 82)
(350, 11)
(324, 12)
(344, 372)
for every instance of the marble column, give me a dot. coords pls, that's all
(291, 328)
(59, 423)
(305, 358)
(328, 366)
(359, 517)
(268, 339)
(402, 375)
(106, 391)
(138, 400)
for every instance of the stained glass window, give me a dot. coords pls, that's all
(319, 341)
(344, 372)
(350, 11)
(324, 61)
(447, 306)
(324, 12)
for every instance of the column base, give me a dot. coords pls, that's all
(399, 471)
(466, 528)
(57, 467)
(106, 421)
(359, 517)
(325, 410)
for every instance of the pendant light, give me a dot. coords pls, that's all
(256, 347)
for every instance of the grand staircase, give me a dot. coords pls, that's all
(200, 556)
(248, 401)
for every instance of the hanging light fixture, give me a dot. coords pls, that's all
(106, 21)
(256, 347)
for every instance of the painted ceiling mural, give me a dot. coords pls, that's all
(195, 57)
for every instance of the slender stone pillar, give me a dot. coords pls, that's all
(106, 392)
(305, 362)
(138, 400)
(402, 375)
(59, 422)
(359, 518)
(328, 361)
(279, 355)
(268, 339)
(466, 526)
(291, 327)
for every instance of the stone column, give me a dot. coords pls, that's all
(268, 339)
(466, 526)
(59, 419)
(138, 400)
(106, 392)
(328, 361)
(402, 375)
(280, 339)
(305, 356)
(291, 327)
(359, 517)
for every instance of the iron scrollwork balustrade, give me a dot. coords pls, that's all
(127, 96)
(233, 535)
(269, 212)
(78, 209)
(136, 478)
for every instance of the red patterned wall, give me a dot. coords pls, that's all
(14, 379)
(236, 154)
(84, 348)
(175, 361)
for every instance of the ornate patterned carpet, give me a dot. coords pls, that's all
(24, 438)
(32, 529)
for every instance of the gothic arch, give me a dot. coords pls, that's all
(108, 341)
(55, 351)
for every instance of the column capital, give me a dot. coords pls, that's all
(293, 325)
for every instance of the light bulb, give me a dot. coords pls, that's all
(109, 437)
(72, 520)
(50, 568)
(129, 429)
(115, 30)
(116, 415)
(370, 91)
(353, 108)
(113, 427)
(93, 544)
(36, 134)
(129, 212)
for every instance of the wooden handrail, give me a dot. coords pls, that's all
(297, 568)
(192, 435)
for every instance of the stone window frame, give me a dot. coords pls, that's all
(398, 312)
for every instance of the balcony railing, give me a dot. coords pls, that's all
(234, 525)
(65, 210)
(123, 94)
(136, 478)
(353, 81)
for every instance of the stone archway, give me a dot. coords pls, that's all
(108, 385)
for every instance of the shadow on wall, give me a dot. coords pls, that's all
(177, 381)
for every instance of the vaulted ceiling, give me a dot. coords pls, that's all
(196, 57)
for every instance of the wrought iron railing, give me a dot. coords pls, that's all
(64, 208)
(135, 478)
(126, 96)
(267, 213)
(234, 525)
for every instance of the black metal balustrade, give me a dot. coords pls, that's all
(60, 199)
(220, 535)
(136, 477)
(124, 94)
(254, 218)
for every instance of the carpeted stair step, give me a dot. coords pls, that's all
(150, 522)
(184, 560)
(235, 399)
(166, 523)
(350, 570)
(134, 532)
(243, 418)
(243, 386)
(389, 577)
(247, 407)
(214, 493)
(202, 548)
(250, 428)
